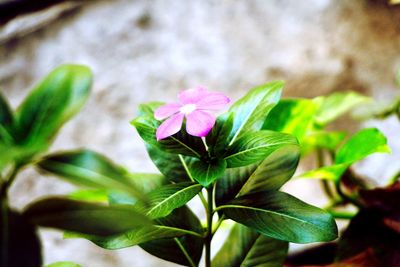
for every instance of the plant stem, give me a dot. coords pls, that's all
(342, 214)
(184, 251)
(209, 233)
(220, 220)
(324, 183)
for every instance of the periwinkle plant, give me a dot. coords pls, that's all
(236, 164)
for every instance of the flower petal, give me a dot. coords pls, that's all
(193, 95)
(167, 110)
(170, 126)
(199, 123)
(213, 101)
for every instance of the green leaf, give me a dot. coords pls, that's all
(253, 147)
(63, 264)
(250, 111)
(85, 217)
(92, 195)
(322, 139)
(179, 143)
(362, 144)
(206, 172)
(335, 105)
(181, 222)
(163, 200)
(282, 216)
(245, 247)
(172, 166)
(88, 168)
(292, 116)
(218, 139)
(331, 173)
(269, 174)
(6, 122)
(52, 103)
(19, 241)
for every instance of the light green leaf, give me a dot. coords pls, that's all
(292, 116)
(92, 195)
(282, 216)
(269, 174)
(52, 103)
(250, 111)
(337, 104)
(63, 264)
(163, 200)
(88, 168)
(322, 139)
(331, 173)
(362, 144)
(245, 247)
(84, 217)
(253, 147)
(206, 172)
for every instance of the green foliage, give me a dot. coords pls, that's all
(281, 216)
(84, 217)
(63, 264)
(206, 172)
(245, 247)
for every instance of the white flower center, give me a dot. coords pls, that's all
(187, 109)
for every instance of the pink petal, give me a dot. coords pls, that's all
(170, 126)
(193, 95)
(199, 123)
(166, 111)
(213, 101)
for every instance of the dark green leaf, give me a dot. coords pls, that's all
(206, 172)
(19, 242)
(6, 122)
(335, 105)
(85, 217)
(245, 247)
(163, 200)
(53, 102)
(172, 166)
(282, 216)
(88, 168)
(269, 174)
(218, 139)
(159, 238)
(253, 147)
(179, 143)
(250, 111)
(292, 116)
(362, 144)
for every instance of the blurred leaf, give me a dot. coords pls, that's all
(163, 200)
(253, 147)
(173, 166)
(92, 195)
(368, 232)
(282, 216)
(322, 139)
(88, 168)
(250, 112)
(84, 217)
(337, 104)
(218, 139)
(206, 172)
(398, 71)
(269, 174)
(19, 242)
(63, 264)
(6, 122)
(245, 247)
(292, 116)
(52, 103)
(331, 173)
(362, 144)
(179, 143)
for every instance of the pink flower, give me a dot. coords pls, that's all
(193, 104)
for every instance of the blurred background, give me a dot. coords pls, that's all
(143, 50)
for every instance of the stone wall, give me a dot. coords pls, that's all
(149, 50)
